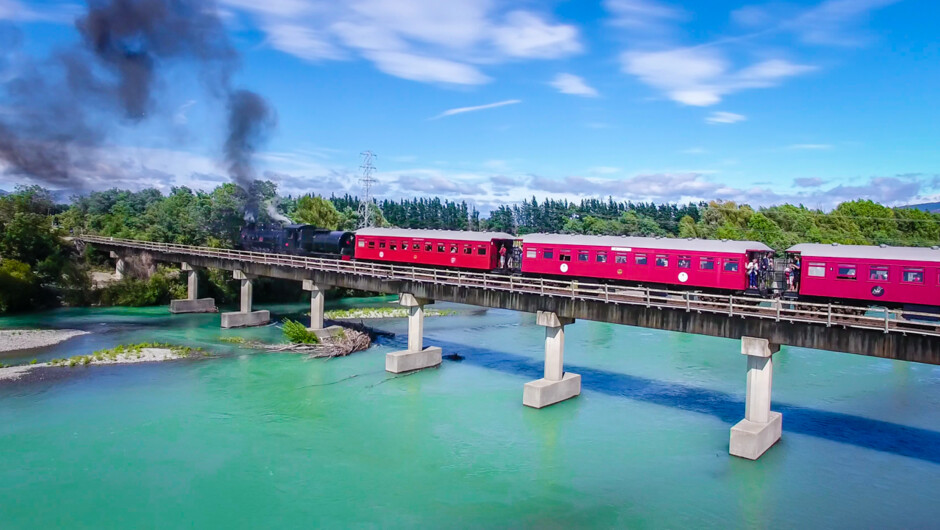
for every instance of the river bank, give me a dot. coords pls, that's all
(27, 339)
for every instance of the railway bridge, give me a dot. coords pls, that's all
(762, 326)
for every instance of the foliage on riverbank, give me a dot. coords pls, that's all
(297, 333)
(159, 289)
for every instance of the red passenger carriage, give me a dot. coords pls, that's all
(718, 265)
(443, 248)
(885, 275)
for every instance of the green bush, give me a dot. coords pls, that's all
(298, 333)
(158, 290)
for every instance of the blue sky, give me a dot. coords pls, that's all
(488, 101)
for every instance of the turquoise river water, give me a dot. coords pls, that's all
(245, 439)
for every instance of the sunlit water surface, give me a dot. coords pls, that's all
(249, 440)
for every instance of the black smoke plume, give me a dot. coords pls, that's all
(250, 119)
(63, 108)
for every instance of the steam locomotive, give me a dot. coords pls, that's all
(297, 239)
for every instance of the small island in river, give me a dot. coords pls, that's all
(131, 354)
(27, 339)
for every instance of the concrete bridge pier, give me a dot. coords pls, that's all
(246, 317)
(192, 304)
(416, 356)
(120, 266)
(317, 299)
(556, 385)
(761, 427)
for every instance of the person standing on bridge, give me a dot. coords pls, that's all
(752, 269)
(796, 274)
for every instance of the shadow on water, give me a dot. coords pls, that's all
(863, 432)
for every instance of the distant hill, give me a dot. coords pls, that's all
(932, 207)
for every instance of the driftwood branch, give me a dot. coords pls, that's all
(348, 342)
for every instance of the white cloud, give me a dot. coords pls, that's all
(832, 22)
(694, 151)
(428, 69)
(180, 117)
(572, 84)
(528, 36)
(645, 18)
(810, 147)
(724, 117)
(420, 40)
(17, 12)
(702, 76)
(301, 41)
(461, 110)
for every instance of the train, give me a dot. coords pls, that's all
(905, 277)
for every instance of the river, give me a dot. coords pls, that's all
(252, 440)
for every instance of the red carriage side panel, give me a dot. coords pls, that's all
(440, 248)
(897, 275)
(679, 262)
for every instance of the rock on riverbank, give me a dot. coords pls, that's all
(26, 339)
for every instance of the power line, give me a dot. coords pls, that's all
(366, 180)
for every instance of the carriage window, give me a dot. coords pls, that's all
(846, 272)
(467, 249)
(662, 261)
(601, 257)
(913, 276)
(816, 269)
(878, 273)
(622, 258)
(392, 246)
(381, 244)
(362, 243)
(440, 247)
(428, 247)
(707, 264)
(453, 249)
(371, 244)
(548, 253)
(583, 256)
(641, 259)
(530, 253)
(481, 251)
(685, 262)
(565, 255)
(731, 265)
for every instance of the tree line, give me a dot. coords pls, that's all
(39, 268)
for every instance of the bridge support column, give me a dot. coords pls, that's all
(246, 317)
(192, 304)
(761, 427)
(556, 385)
(416, 356)
(119, 266)
(317, 297)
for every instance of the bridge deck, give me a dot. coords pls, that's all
(853, 329)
